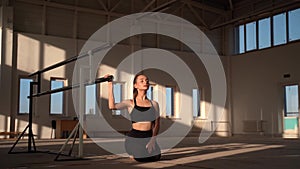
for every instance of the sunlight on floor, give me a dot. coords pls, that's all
(232, 149)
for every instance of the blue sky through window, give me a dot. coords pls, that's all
(117, 87)
(90, 98)
(279, 26)
(196, 103)
(241, 39)
(24, 93)
(264, 33)
(294, 24)
(251, 36)
(150, 93)
(272, 31)
(169, 101)
(56, 105)
(291, 99)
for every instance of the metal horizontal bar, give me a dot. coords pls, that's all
(98, 80)
(58, 64)
(72, 59)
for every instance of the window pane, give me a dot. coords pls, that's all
(117, 87)
(24, 93)
(90, 98)
(264, 33)
(150, 93)
(294, 25)
(251, 36)
(56, 102)
(291, 100)
(279, 26)
(169, 101)
(196, 103)
(241, 37)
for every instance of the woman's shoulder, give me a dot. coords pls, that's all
(129, 102)
(155, 103)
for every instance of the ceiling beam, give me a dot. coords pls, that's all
(261, 14)
(177, 9)
(205, 7)
(70, 7)
(230, 4)
(103, 5)
(162, 6)
(113, 8)
(148, 6)
(199, 18)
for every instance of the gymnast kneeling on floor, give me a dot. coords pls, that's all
(140, 142)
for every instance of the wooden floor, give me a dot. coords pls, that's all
(238, 152)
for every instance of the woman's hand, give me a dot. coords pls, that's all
(151, 145)
(106, 76)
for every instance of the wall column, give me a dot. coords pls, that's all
(6, 67)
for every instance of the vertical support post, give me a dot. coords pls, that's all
(39, 83)
(81, 111)
(29, 126)
(30, 115)
(90, 53)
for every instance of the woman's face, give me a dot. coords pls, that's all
(142, 83)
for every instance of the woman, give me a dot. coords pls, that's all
(140, 142)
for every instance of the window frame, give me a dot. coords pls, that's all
(199, 100)
(152, 94)
(288, 26)
(96, 100)
(123, 92)
(254, 36)
(258, 33)
(287, 39)
(173, 113)
(285, 112)
(19, 91)
(65, 81)
(286, 29)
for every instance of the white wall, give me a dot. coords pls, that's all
(45, 35)
(257, 85)
(6, 66)
(34, 52)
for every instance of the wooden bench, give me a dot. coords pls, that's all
(11, 134)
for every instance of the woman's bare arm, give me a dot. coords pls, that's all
(156, 126)
(111, 100)
(151, 145)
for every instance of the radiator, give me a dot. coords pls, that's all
(253, 126)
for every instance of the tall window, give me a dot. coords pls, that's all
(118, 95)
(294, 24)
(196, 103)
(279, 26)
(241, 37)
(90, 99)
(264, 33)
(272, 31)
(150, 93)
(291, 100)
(56, 100)
(169, 101)
(23, 95)
(251, 36)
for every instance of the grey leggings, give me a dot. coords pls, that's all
(135, 145)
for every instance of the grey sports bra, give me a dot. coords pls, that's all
(139, 113)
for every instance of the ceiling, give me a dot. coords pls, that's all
(209, 14)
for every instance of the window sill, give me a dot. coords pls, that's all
(173, 118)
